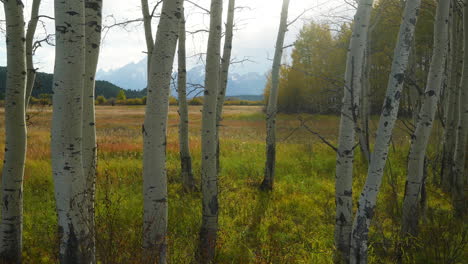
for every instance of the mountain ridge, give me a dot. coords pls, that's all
(132, 76)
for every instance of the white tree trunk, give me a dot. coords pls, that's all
(209, 177)
(15, 136)
(154, 134)
(454, 64)
(93, 20)
(272, 107)
(224, 73)
(188, 181)
(425, 120)
(147, 18)
(368, 198)
(32, 25)
(459, 177)
(348, 125)
(66, 141)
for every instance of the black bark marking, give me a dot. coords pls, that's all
(213, 205)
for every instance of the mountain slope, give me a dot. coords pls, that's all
(43, 85)
(133, 76)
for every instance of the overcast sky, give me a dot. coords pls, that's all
(254, 38)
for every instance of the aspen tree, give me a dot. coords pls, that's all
(147, 18)
(454, 64)
(368, 197)
(425, 120)
(66, 141)
(272, 106)
(15, 135)
(185, 159)
(154, 134)
(346, 141)
(93, 22)
(459, 203)
(32, 25)
(224, 73)
(209, 172)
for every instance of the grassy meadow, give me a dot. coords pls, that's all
(292, 224)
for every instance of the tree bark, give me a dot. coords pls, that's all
(66, 141)
(188, 181)
(32, 25)
(15, 136)
(93, 20)
(272, 107)
(454, 65)
(147, 18)
(154, 134)
(459, 203)
(209, 177)
(347, 133)
(368, 198)
(224, 73)
(425, 120)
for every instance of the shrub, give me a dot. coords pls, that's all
(101, 100)
(173, 101)
(196, 101)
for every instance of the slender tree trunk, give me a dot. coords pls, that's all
(66, 141)
(272, 107)
(348, 126)
(15, 136)
(185, 159)
(368, 198)
(209, 177)
(224, 73)
(459, 178)
(364, 113)
(93, 20)
(147, 18)
(454, 65)
(32, 25)
(425, 120)
(154, 134)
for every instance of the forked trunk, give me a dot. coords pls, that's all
(154, 134)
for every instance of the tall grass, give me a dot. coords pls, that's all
(292, 224)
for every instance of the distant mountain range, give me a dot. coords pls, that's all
(133, 77)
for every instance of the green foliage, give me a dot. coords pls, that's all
(121, 95)
(101, 100)
(310, 82)
(196, 101)
(313, 82)
(43, 85)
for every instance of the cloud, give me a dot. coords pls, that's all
(254, 39)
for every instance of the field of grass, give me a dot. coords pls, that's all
(292, 224)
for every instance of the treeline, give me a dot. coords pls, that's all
(43, 87)
(311, 80)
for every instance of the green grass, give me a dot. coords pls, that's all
(292, 224)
